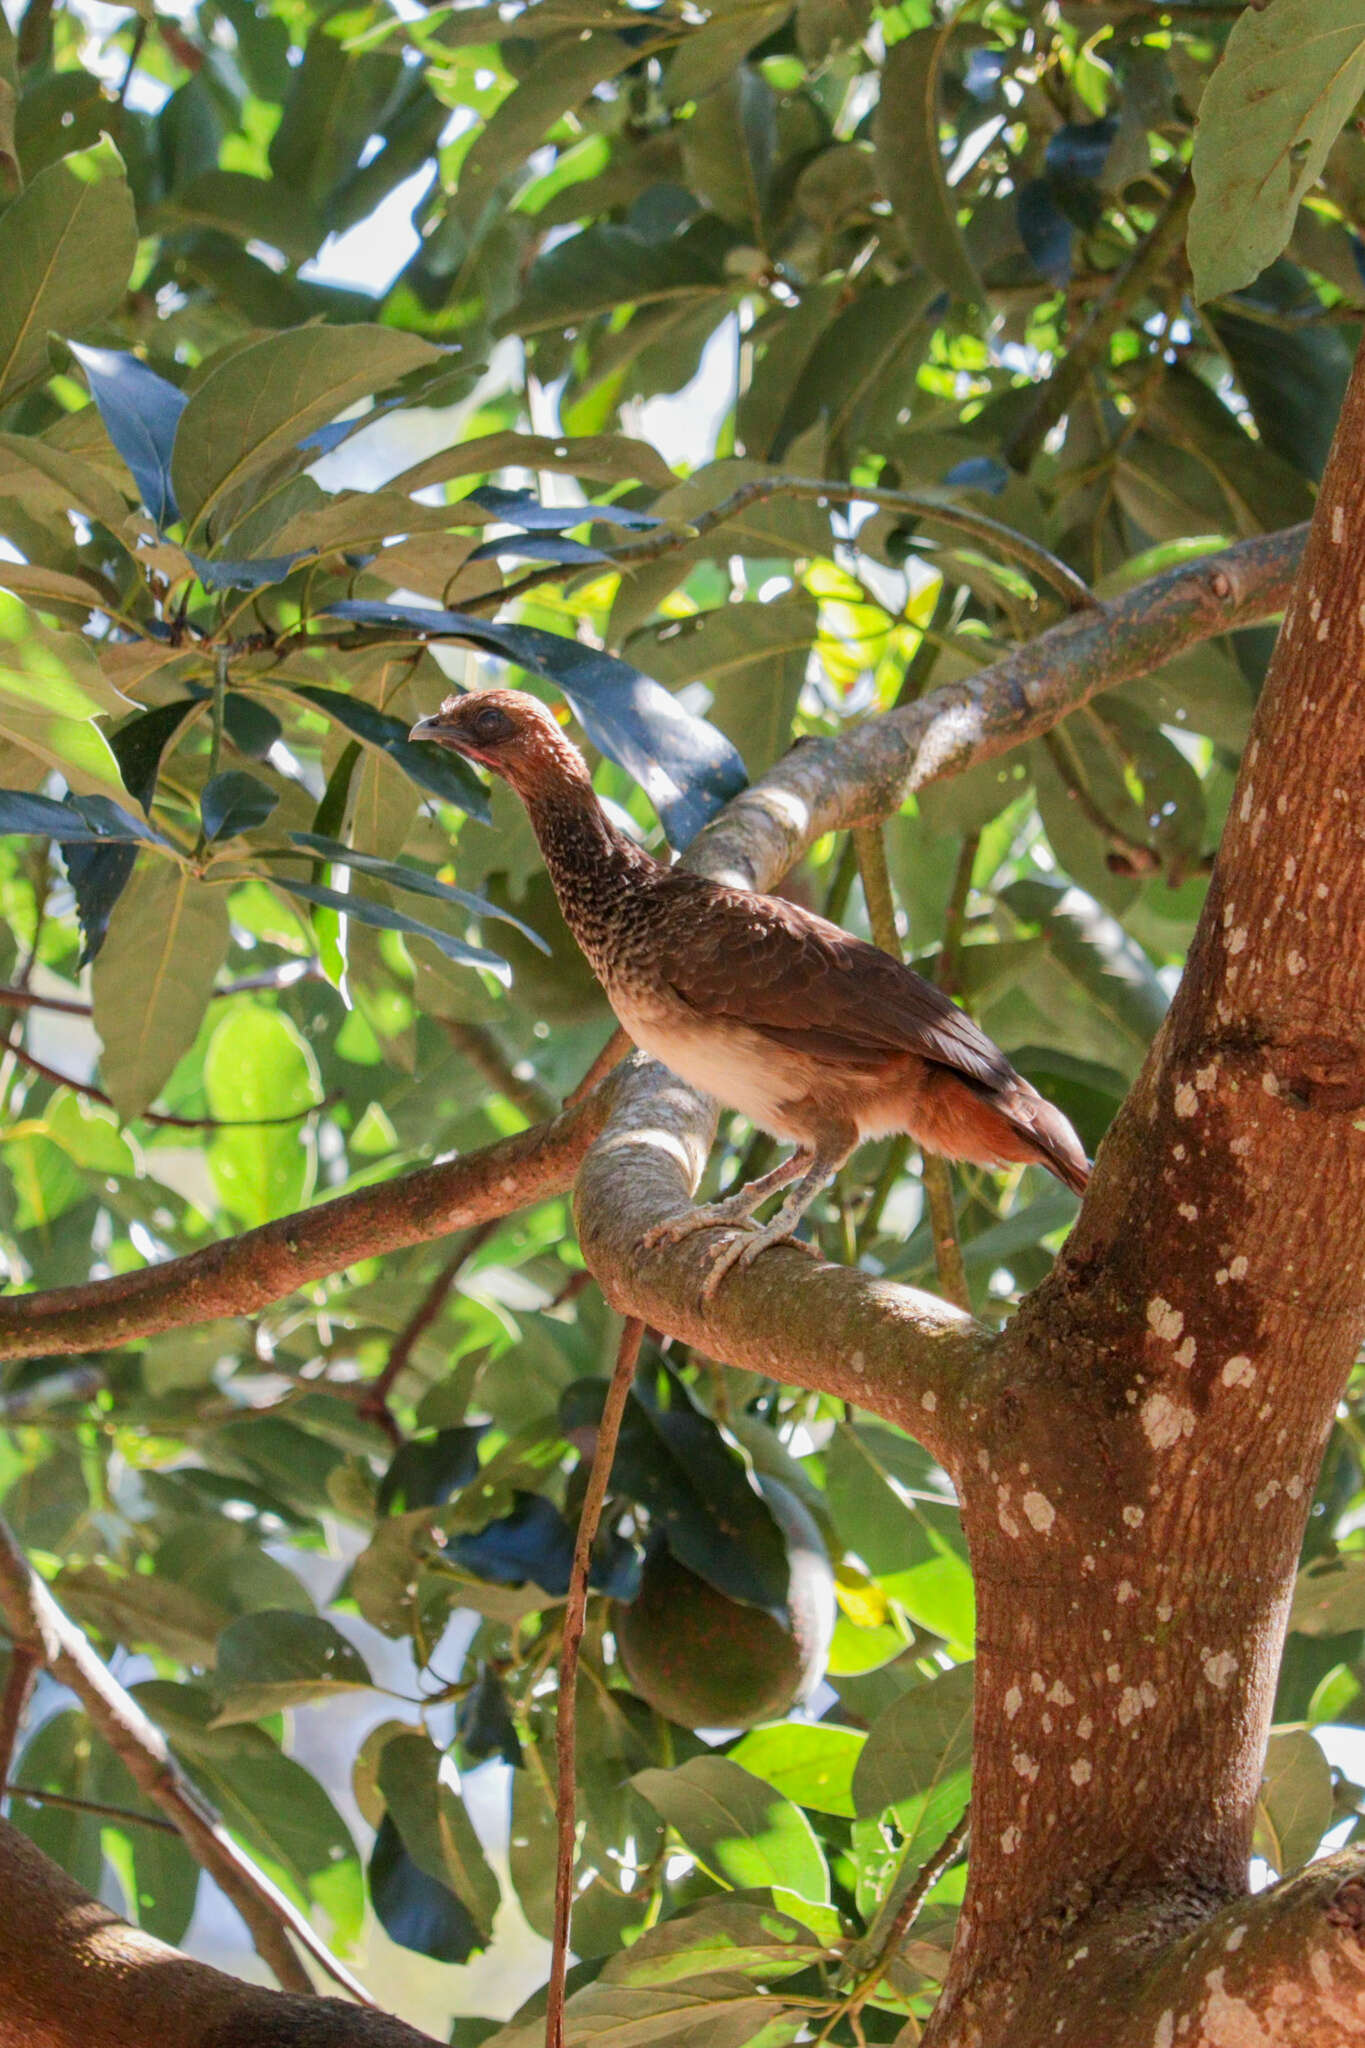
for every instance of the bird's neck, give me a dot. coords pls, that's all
(592, 865)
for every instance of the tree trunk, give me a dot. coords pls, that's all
(1149, 1430)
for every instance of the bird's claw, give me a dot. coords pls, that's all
(675, 1229)
(734, 1257)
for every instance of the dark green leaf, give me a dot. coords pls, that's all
(141, 412)
(434, 769)
(235, 802)
(67, 244)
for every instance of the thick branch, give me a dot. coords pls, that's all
(76, 1976)
(867, 773)
(243, 1274)
(1285, 1969)
(913, 1358)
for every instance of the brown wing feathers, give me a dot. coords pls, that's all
(811, 988)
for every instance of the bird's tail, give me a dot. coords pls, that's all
(1051, 1140)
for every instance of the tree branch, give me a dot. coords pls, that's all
(163, 1118)
(240, 1275)
(75, 1975)
(1285, 1969)
(868, 772)
(913, 1358)
(566, 1714)
(38, 1625)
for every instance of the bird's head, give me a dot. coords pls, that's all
(513, 734)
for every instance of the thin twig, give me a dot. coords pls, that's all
(479, 1046)
(37, 1623)
(96, 1806)
(287, 975)
(1055, 397)
(611, 1055)
(163, 1118)
(575, 1612)
(1132, 856)
(935, 1172)
(20, 1678)
(1044, 566)
(949, 1849)
(73, 1383)
(374, 1405)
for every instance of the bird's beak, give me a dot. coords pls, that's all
(435, 729)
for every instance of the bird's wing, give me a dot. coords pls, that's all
(802, 982)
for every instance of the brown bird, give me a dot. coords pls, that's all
(813, 1035)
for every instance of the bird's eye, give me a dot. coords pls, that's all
(492, 724)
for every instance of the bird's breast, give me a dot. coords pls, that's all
(722, 1058)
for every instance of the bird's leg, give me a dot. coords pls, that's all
(735, 1209)
(832, 1147)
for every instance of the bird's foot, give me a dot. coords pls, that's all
(730, 1215)
(742, 1251)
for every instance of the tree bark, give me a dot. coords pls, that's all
(1137, 1490)
(76, 1976)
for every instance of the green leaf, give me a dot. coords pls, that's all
(905, 129)
(258, 1065)
(594, 271)
(267, 397)
(45, 478)
(1092, 949)
(66, 247)
(378, 915)
(434, 769)
(921, 1739)
(721, 2010)
(737, 1827)
(729, 147)
(419, 1787)
(1294, 1810)
(752, 657)
(724, 1934)
(399, 875)
(1290, 76)
(142, 1611)
(1329, 1596)
(601, 458)
(561, 78)
(235, 802)
(153, 978)
(269, 1661)
(811, 1762)
(51, 674)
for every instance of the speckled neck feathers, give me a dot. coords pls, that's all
(594, 867)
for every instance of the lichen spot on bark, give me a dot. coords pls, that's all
(1163, 1320)
(1186, 1101)
(1014, 1699)
(1218, 1666)
(1164, 1421)
(1081, 1771)
(1164, 2032)
(1239, 1371)
(928, 1401)
(1040, 1511)
(1009, 1841)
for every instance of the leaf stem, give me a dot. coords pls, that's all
(575, 1613)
